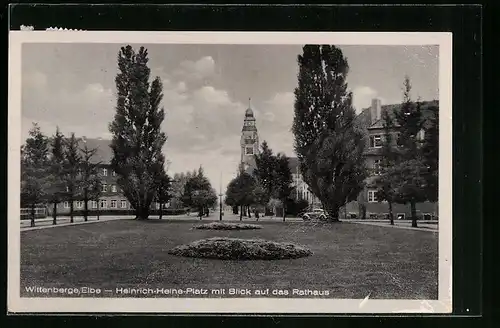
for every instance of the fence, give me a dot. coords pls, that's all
(40, 213)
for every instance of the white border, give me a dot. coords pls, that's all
(16, 304)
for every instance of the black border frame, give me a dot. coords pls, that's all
(464, 22)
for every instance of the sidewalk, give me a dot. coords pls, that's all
(65, 221)
(422, 226)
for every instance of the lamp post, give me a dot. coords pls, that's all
(220, 197)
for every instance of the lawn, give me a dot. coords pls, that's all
(350, 260)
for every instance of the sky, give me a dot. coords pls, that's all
(206, 91)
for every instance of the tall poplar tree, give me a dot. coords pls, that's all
(137, 137)
(328, 144)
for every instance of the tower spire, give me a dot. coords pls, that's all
(249, 102)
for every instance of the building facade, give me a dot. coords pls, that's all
(112, 198)
(367, 204)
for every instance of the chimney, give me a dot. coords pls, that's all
(375, 110)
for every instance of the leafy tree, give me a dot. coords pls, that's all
(56, 191)
(163, 193)
(430, 152)
(198, 193)
(410, 172)
(265, 169)
(137, 138)
(34, 164)
(240, 191)
(72, 166)
(385, 181)
(89, 177)
(260, 197)
(282, 181)
(328, 144)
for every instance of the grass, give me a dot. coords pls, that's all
(350, 260)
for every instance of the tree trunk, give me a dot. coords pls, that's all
(391, 215)
(86, 209)
(200, 212)
(284, 210)
(241, 213)
(161, 210)
(32, 223)
(142, 212)
(98, 212)
(54, 214)
(71, 220)
(249, 212)
(413, 209)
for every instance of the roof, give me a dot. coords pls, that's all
(293, 163)
(249, 112)
(104, 153)
(364, 118)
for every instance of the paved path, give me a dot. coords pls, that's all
(65, 221)
(422, 226)
(228, 217)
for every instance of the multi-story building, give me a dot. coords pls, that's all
(367, 204)
(112, 199)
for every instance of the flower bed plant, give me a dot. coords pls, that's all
(225, 248)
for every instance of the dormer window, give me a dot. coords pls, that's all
(105, 172)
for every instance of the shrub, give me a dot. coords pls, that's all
(227, 226)
(240, 249)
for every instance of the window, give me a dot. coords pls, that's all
(104, 203)
(372, 196)
(376, 141)
(113, 188)
(79, 204)
(104, 187)
(105, 172)
(113, 203)
(421, 135)
(67, 189)
(113, 174)
(400, 216)
(93, 204)
(249, 151)
(377, 165)
(398, 139)
(123, 204)
(66, 204)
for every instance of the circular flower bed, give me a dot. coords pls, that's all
(240, 249)
(227, 226)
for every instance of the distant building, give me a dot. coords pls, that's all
(367, 204)
(249, 142)
(112, 197)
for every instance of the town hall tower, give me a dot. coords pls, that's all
(249, 140)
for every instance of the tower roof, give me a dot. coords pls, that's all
(249, 111)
